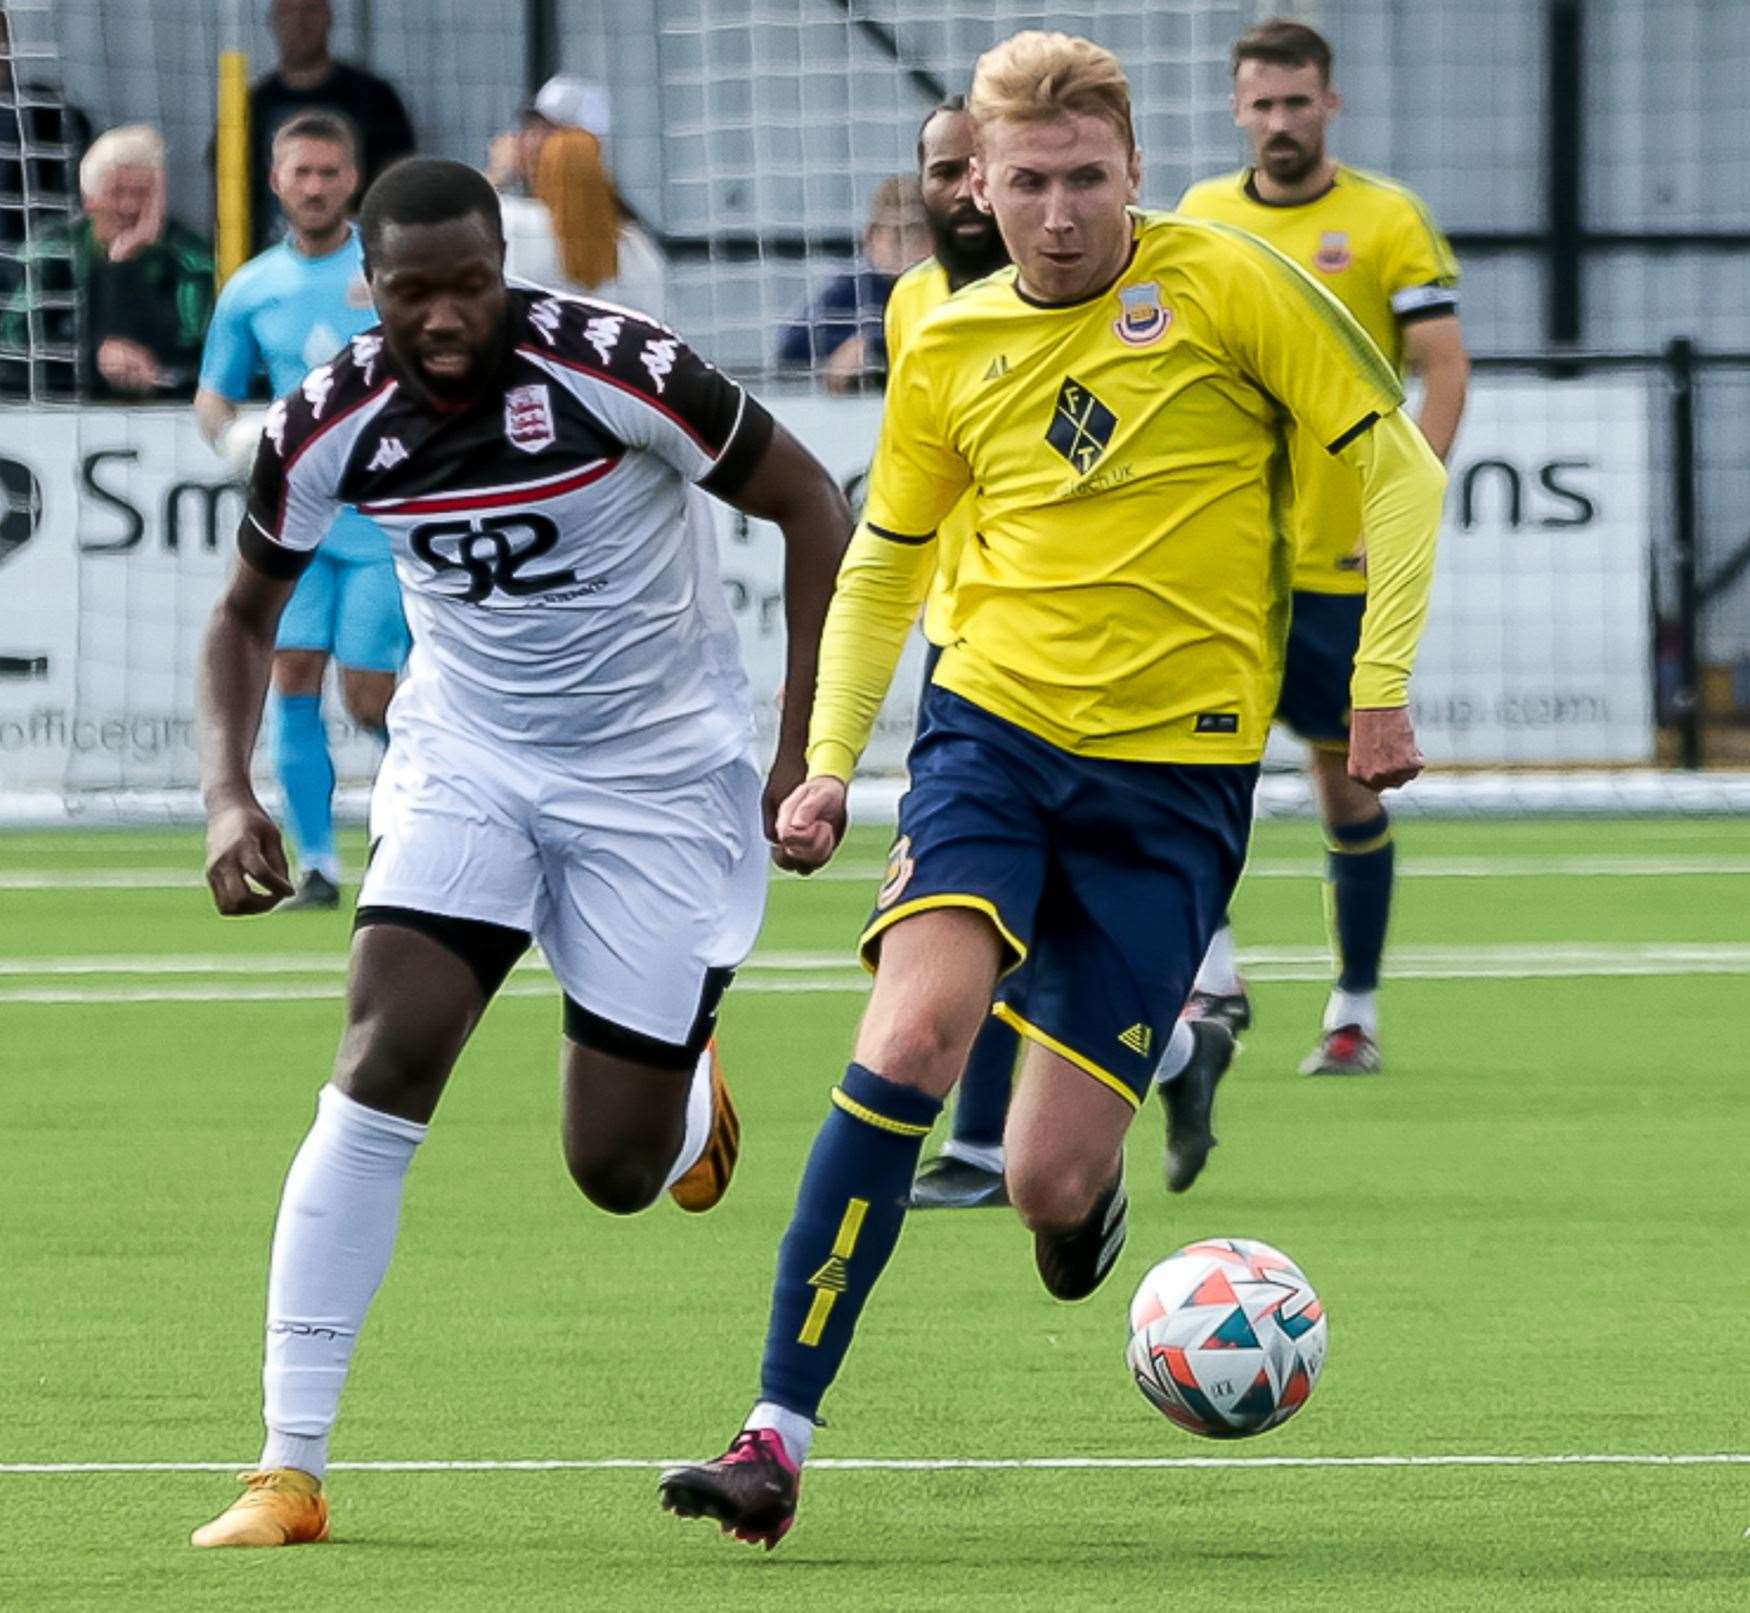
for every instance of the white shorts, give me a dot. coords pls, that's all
(640, 899)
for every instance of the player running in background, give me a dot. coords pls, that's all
(285, 312)
(968, 246)
(1081, 791)
(1372, 244)
(570, 757)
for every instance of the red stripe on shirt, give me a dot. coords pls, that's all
(450, 503)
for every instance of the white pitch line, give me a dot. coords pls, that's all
(947, 1464)
(1556, 960)
(1308, 868)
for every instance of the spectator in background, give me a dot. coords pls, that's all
(42, 138)
(309, 79)
(574, 233)
(114, 304)
(839, 335)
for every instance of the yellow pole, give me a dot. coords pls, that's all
(232, 242)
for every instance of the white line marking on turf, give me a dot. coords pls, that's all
(932, 1464)
(1309, 868)
(792, 972)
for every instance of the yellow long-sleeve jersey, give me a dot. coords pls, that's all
(1126, 587)
(1373, 244)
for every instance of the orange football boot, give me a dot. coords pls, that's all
(280, 1506)
(707, 1181)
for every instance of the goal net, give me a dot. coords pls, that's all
(752, 138)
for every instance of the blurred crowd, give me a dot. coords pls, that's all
(105, 296)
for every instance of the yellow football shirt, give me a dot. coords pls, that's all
(1125, 590)
(1372, 244)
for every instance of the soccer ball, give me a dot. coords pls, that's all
(1226, 1338)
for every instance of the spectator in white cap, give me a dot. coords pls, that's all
(565, 223)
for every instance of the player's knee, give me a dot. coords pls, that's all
(925, 1049)
(620, 1185)
(367, 699)
(1051, 1195)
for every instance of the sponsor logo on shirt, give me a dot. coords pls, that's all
(274, 427)
(658, 359)
(1081, 426)
(389, 454)
(528, 418)
(1333, 255)
(545, 317)
(1141, 319)
(603, 334)
(365, 349)
(317, 385)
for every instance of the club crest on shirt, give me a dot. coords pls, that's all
(900, 866)
(358, 292)
(528, 418)
(1333, 255)
(1141, 318)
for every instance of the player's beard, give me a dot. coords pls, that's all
(967, 258)
(1290, 162)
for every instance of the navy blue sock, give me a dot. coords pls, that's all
(300, 754)
(1359, 867)
(983, 1103)
(849, 1210)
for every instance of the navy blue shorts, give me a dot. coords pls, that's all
(1322, 640)
(1107, 878)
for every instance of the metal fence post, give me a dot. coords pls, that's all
(1680, 364)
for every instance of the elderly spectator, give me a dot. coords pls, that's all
(113, 306)
(839, 335)
(574, 232)
(308, 79)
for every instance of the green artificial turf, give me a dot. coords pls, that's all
(1528, 1235)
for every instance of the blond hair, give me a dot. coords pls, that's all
(1033, 76)
(572, 180)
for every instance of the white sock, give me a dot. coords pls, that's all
(331, 1246)
(1219, 973)
(796, 1431)
(986, 1156)
(1353, 1008)
(327, 865)
(698, 1131)
(1180, 1046)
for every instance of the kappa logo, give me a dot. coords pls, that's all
(317, 385)
(658, 358)
(274, 427)
(1333, 255)
(365, 349)
(1142, 320)
(1139, 1039)
(545, 316)
(389, 454)
(1081, 426)
(528, 418)
(603, 334)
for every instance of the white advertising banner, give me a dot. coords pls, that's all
(116, 530)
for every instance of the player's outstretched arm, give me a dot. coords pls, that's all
(1402, 484)
(792, 489)
(246, 863)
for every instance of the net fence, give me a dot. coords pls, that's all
(751, 137)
